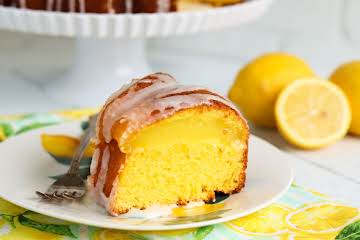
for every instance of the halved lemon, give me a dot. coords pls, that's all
(269, 221)
(321, 218)
(312, 113)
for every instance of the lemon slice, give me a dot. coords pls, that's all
(321, 218)
(312, 237)
(312, 113)
(266, 222)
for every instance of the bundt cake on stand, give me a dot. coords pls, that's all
(116, 6)
(96, 6)
(152, 135)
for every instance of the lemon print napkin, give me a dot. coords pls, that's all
(301, 214)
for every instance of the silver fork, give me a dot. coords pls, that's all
(71, 186)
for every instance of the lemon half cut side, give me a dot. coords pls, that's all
(312, 113)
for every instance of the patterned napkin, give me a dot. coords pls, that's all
(301, 214)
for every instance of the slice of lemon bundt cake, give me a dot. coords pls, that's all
(161, 143)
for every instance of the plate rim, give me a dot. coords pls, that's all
(121, 226)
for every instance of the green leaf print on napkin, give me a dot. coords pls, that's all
(44, 227)
(26, 122)
(202, 232)
(351, 232)
(135, 236)
(6, 130)
(34, 126)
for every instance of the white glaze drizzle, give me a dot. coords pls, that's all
(49, 4)
(123, 105)
(110, 6)
(98, 189)
(157, 211)
(128, 6)
(22, 3)
(107, 201)
(82, 6)
(93, 168)
(72, 5)
(94, 162)
(58, 5)
(115, 107)
(183, 89)
(163, 5)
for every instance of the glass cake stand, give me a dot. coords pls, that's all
(110, 49)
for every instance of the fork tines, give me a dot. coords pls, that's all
(57, 196)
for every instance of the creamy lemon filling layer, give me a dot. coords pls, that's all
(186, 157)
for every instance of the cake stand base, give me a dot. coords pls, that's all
(101, 66)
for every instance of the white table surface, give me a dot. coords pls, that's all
(334, 170)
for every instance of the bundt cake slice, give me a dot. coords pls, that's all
(162, 143)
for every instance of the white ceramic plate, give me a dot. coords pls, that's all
(26, 167)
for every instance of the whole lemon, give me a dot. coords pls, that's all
(347, 77)
(259, 83)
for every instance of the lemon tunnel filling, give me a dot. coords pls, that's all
(166, 163)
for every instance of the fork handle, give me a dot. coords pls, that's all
(84, 142)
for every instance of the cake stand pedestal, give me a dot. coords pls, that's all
(110, 48)
(100, 67)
